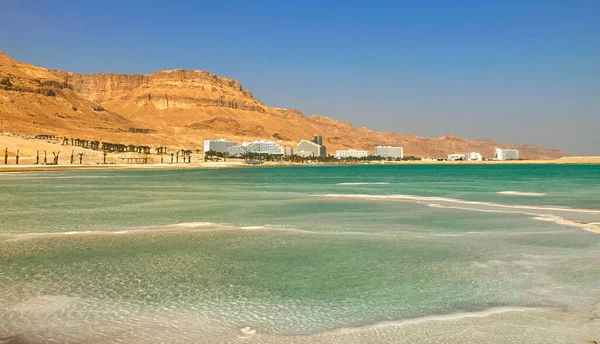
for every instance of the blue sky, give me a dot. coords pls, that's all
(511, 71)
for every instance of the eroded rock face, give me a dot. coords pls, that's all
(184, 107)
(34, 100)
(175, 89)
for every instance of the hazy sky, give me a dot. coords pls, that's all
(511, 71)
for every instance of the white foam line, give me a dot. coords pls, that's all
(441, 318)
(518, 193)
(178, 227)
(453, 200)
(590, 227)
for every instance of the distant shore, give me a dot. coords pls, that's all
(26, 154)
(238, 163)
(570, 160)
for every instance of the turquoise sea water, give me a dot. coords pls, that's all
(399, 254)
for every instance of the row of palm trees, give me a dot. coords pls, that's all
(120, 148)
(95, 145)
(109, 146)
(302, 159)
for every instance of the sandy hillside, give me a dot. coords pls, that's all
(181, 108)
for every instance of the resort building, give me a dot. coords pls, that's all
(506, 154)
(287, 151)
(236, 150)
(263, 147)
(318, 140)
(456, 157)
(473, 156)
(311, 148)
(219, 146)
(389, 152)
(351, 153)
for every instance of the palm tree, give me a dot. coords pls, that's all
(209, 154)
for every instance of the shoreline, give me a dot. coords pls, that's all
(112, 167)
(241, 164)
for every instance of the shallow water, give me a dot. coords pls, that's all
(407, 254)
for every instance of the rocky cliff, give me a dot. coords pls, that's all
(184, 107)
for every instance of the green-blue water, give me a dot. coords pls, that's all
(301, 254)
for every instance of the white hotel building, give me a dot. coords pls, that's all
(389, 152)
(263, 147)
(506, 154)
(473, 156)
(219, 146)
(456, 157)
(351, 153)
(308, 149)
(236, 150)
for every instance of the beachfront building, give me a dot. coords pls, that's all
(236, 150)
(351, 153)
(318, 140)
(506, 154)
(389, 152)
(287, 151)
(473, 156)
(456, 157)
(309, 149)
(263, 147)
(219, 146)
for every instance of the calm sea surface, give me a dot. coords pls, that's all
(364, 254)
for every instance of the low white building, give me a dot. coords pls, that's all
(219, 146)
(351, 153)
(456, 157)
(473, 156)
(506, 154)
(263, 147)
(389, 152)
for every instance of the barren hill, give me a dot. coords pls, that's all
(183, 107)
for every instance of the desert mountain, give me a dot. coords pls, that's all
(181, 108)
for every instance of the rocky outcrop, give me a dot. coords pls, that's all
(34, 100)
(178, 89)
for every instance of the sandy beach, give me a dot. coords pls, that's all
(30, 150)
